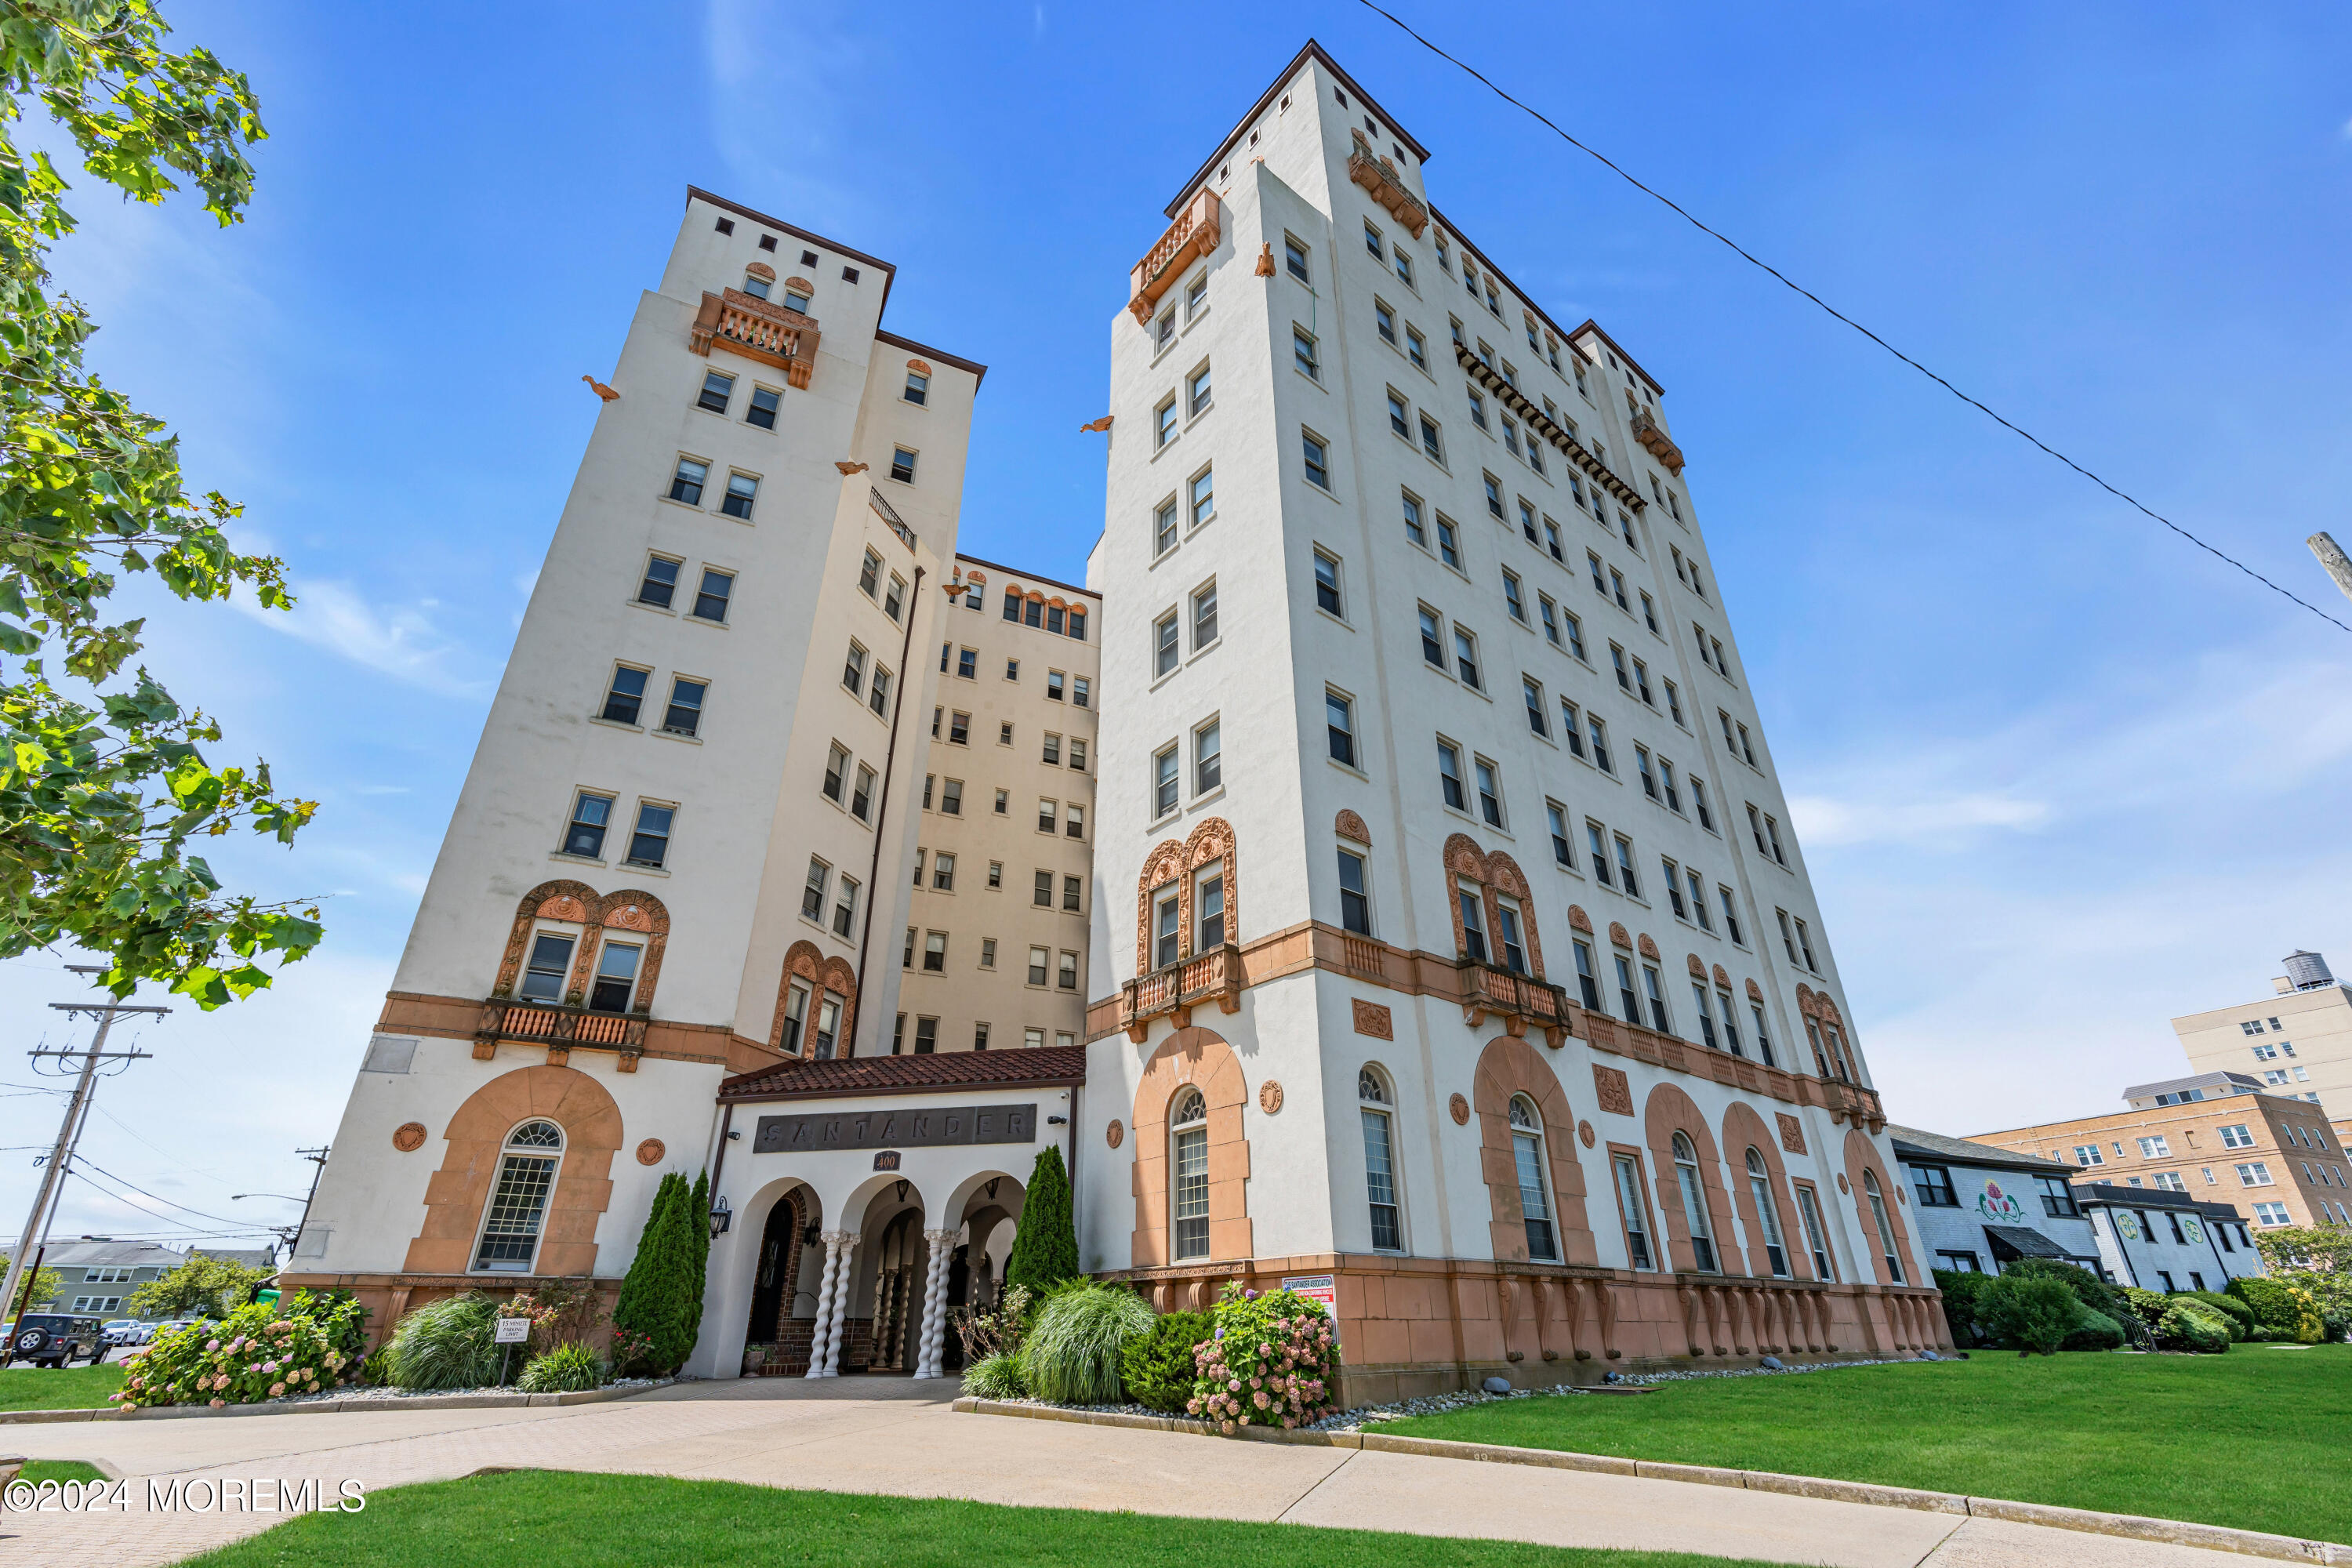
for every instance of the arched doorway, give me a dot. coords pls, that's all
(899, 1259)
(776, 1271)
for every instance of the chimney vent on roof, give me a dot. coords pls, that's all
(2308, 971)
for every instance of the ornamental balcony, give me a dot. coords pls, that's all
(1517, 999)
(1179, 988)
(1379, 175)
(1193, 235)
(1646, 431)
(745, 324)
(561, 1029)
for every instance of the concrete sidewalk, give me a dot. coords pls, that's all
(895, 1436)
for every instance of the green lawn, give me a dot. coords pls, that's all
(591, 1521)
(59, 1470)
(2252, 1438)
(66, 1388)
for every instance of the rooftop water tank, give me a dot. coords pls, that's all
(2307, 971)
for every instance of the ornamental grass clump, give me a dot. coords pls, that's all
(253, 1353)
(1274, 1361)
(447, 1345)
(566, 1369)
(1070, 1354)
(996, 1377)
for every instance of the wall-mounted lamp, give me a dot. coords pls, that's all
(1057, 1120)
(723, 1215)
(733, 1133)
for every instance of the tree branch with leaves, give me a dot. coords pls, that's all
(101, 798)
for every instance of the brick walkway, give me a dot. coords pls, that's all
(893, 1436)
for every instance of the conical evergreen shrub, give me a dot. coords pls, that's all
(658, 1293)
(698, 1207)
(1045, 1244)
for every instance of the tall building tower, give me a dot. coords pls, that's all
(2297, 1041)
(1472, 970)
(680, 854)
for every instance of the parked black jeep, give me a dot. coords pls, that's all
(56, 1339)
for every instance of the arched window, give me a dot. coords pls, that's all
(517, 1206)
(1535, 1202)
(1702, 1235)
(1380, 1160)
(1885, 1228)
(1188, 1132)
(1768, 1217)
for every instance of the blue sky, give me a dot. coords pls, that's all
(2060, 776)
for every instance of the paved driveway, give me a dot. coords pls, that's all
(894, 1435)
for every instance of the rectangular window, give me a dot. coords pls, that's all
(1163, 782)
(861, 798)
(1698, 901)
(1562, 851)
(1934, 1185)
(2155, 1148)
(1384, 322)
(1208, 763)
(1413, 529)
(878, 696)
(686, 480)
(1163, 529)
(584, 835)
(1317, 460)
(1355, 898)
(812, 894)
(1165, 653)
(1466, 657)
(1339, 727)
(1197, 395)
(742, 489)
(1449, 776)
(717, 386)
(1326, 584)
(2254, 1173)
(1598, 731)
(1415, 349)
(853, 670)
(1632, 1212)
(1208, 912)
(2237, 1136)
(1432, 638)
(1204, 617)
(710, 600)
(1204, 497)
(1490, 792)
(624, 695)
(659, 585)
(1625, 867)
(1074, 825)
(649, 843)
(902, 465)
(935, 952)
(683, 716)
(1302, 351)
(1537, 723)
(1513, 599)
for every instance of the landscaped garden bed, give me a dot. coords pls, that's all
(600, 1520)
(2246, 1439)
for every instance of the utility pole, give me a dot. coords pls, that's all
(52, 1175)
(2331, 555)
(318, 1158)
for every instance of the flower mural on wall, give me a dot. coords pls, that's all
(1995, 1204)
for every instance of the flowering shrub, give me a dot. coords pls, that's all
(252, 1354)
(1272, 1362)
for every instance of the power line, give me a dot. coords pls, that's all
(84, 1164)
(1741, 251)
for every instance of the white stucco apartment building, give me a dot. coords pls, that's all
(1470, 941)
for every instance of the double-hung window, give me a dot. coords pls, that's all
(1449, 776)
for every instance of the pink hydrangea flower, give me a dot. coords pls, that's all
(1258, 1399)
(211, 1344)
(275, 1389)
(219, 1404)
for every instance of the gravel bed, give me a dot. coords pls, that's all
(356, 1394)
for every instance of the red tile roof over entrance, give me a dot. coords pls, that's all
(911, 1075)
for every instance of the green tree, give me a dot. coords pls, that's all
(1045, 1244)
(699, 1206)
(45, 1290)
(660, 1304)
(103, 786)
(2317, 1258)
(202, 1287)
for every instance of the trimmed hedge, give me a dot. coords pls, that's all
(1158, 1364)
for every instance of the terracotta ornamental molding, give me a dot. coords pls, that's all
(747, 325)
(1195, 234)
(1223, 974)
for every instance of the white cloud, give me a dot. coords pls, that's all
(401, 642)
(1826, 821)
